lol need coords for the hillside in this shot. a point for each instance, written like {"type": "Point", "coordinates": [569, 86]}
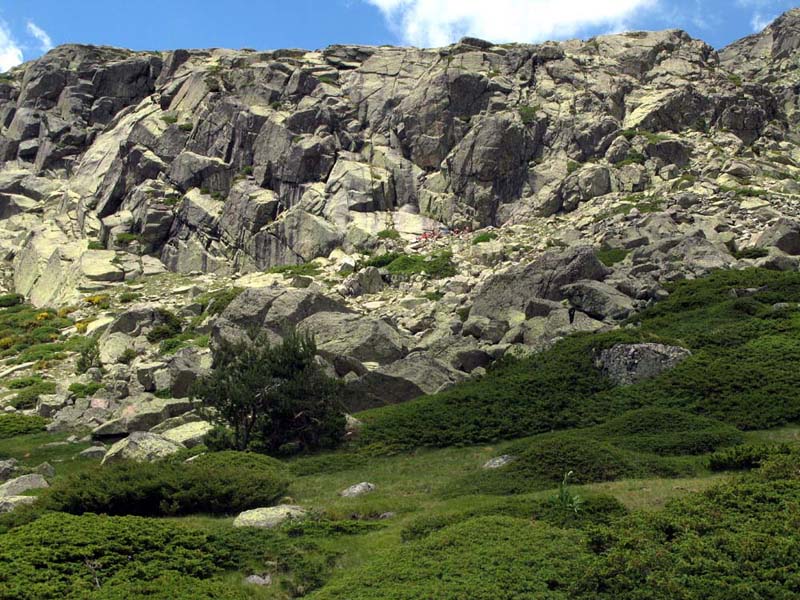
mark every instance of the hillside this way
{"type": "Point", "coordinates": [556, 288]}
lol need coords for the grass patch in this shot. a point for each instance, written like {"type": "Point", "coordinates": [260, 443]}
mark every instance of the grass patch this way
{"type": "Point", "coordinates": [611, 256]}
{"type": "Point", "coordinates": [309, 269]}
{"type": "Point", "coordinates": [436, 266]}
{"type": "Point", "coordinates": [528, 114]}
{"type": "Point", "coordinates": [389, 234]}
{"type": "Point", "coordinates": [483, 238]}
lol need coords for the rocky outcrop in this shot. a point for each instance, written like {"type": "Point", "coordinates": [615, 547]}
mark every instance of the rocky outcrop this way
{"type": "Point", "coordinates": [626, 364]}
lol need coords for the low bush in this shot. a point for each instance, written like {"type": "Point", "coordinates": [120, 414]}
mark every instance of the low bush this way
{"type": "Point", "coordinates": [667, 432]}
{"type": "Point", "coordinates": [27, 397]}
{"type": "Point", "coordinates": [482, 559]}
{"type": "Point", "coordinates": [736, 540]}
{"type": "Point", "coordinates": [217, 483]}
{"type": "Point", "coordinates": [611, 256]}
{"type": "Point", "coordinates": [309, 269]}
{"type": "Point", "coordinates": [596, 509]}
{"type": "Point", "coordinates": [12, 425]}
{"type": "Point", "coordinates": [389, 234]}
{"type": "Point", "coordinates": [66, 557]}
{"type": "Point", "coordinates": [483, 238]}
{"type": "Point", "coordinates": [745, 353]}
{"type": "Point", "coordinates": [168, 325]}
{"type": "Point", "coordinates": [746, 456]}
{"type": "Point", "coordinates": [84, 390]}
{"type": "Point", "coordinates": [214, 303]}
{"type": "Point", "coordinates": [7, 300]}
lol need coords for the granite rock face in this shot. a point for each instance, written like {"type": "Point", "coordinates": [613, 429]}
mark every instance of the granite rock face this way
{"type": "Point", "coordinates": [421, 212]}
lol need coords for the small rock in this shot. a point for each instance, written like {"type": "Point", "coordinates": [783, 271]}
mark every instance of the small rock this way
{"type": "Point", "coordinates": [7, 468]}
{"type": "Point", "coordinates": [46, 469]}
{"type": "Point", "coordinates": [358, 489]}
{"type": "Point", "coordinates": [93, 452]}
{"type": "Point", "coordinates": [498, 462]}
{"type": "Point", "coordinates": [9, 503]}
{"type": "Point", "coordinates": [269, 517]}
{"type": "Point", "coordinates": [259, 580]}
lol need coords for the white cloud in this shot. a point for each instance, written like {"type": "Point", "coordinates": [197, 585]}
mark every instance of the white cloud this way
{"type": "Point", "coordinates": [759, 21]}
{"type": "Point", "coordinates": [440, 22]}
{"type": "Point", "coordinates": [45, 41]}
{"type": "Point", "coordinates": [10, 51]}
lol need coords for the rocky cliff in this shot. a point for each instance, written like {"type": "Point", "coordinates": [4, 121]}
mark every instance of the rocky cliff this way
{"type": "Point", "coordinates": [599, 170]}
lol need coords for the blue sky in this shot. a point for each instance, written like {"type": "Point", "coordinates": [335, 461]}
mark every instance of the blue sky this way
{"type": "Point", "coordinates": [27, 29]}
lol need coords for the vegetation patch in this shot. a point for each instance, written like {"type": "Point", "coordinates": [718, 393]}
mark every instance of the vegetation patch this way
{"type": "Point", "coordinates": [114, 558]}
{"type": "Point", "coordinates": [642, 443]}
{"type": "Point", "coordinates": [611, 256]}
{"type": "Point", "coordinates": [436, 266]}
{"type": "Point", "coordinates": [217, 483]}
{"type": "Point", "coordinates": [744, 356]}
{"type": "Point", "coordinates": [309, 269]}
{"type": "Point", "coordinates": [483, 238]}
{"type": "Point", "coordinates": [483, 558]}
{"type": "Point", "coordinates": [12, 425]}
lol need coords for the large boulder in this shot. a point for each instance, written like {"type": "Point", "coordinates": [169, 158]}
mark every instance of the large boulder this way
{"type": "Point", "coordinates": [274, 308]}
{"type": "Point", "coordinates": [513, 294]}
{"type": "Point", "coordinates": [189, 434]}
{"type": "Point", "coordinates": [598, 300]}
{"type": "Point", "coordinates": [20, 485]}
{"type": "Point", "coordinates": [142, 447]}
{"type": "Point", "coordinates": [626, 364]}
{"type": "Point", "coordinates": [415, 375]}
{"type": "Point", "coordinates": [364, 338]}
{"type": "Point", "coordinates": [784, 235]}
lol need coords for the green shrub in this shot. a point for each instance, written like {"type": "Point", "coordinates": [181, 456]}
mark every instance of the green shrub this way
{"type": "Point", "coordinates": [89, 357]}
{"type": "Point", "coordinates": [611, 256]}
{"type": "Point", "coordinates": [188, 127]}
{"type": "Point", "coordinates": [276, 399]}
{"type": "Point", "coordinates": [483, 238]}
{"type": "Point", "coordinates": [751, 253]}
{"type": "Point", "coordinates": [125, 239]}
{"type": "Point", "coordinates": [572, 166]}
{"type": "Point", "coordinates": [99, 557]}
{"type": "Point", "coordinates": [168, 325]}
{"type": "Point", "coordinates": [382, 260]}
{"type": "Point", "coordinates": [483, 559]}
{"type": "Point", "coordinates": [527, 114]}
{"type": "Point", "coordinates": [214, 303]}
{"type": "Point", "coordinates": [389, 234]}
{"type": "Point", "coordinates": [744, 357]}
{"type": "Point", "coordinates": [169, 119]}
{"type": "Point", "coordinates": [595, 510]}
{"type": "Point", "coordinates": [746, 456]}
{"type": "Point", "coordinates": [633, 158]}
{"type": "Point", "coordinates": [23, 382]}
{"type": "Point", "coordinates": [96, 245]}
{"type": "Point", "coordinates": [84, 390]}
{"type": "Point", "coordinates": [12, 425]}
{"type": "Point", "coordinates": [27, 397]}
{"type": "Point", "coordinates": [222, 483]}
{"type": "Point", "coordinates": [309, 269]}
{"type": "Point", "coordinates": [7, 300]}
{"type": "Point", "coordinates": [667, 432]}
{"type": "Point", "coordinates": [735, 540]}
{"type": "Point", "coordinates": [128, 297]}
{"type": "Point", "coordinates": [128, 356]}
